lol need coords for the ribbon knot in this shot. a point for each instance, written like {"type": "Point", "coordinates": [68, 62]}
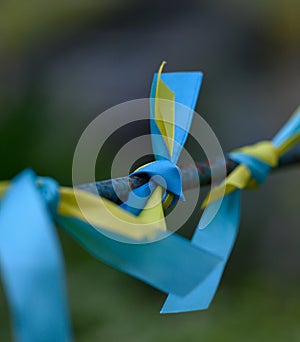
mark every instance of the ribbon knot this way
{"type": "Point", "coordinates": [255, 163]}
{"type": "Point", "coordinates": [259, 159]}
{"type": "Point", "coordinates": [163, 173]}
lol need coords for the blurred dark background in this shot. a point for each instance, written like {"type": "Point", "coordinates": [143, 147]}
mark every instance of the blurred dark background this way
{"type": "Point", "coordinates": [64, 62]}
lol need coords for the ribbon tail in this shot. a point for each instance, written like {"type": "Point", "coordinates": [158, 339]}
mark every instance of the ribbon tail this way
{"type": "Point", "coordinates": [31, 265]}
{"type": "Point", "coordinates": [167, 264]}
{"type": "Point", "coordinates": [217, 237]}
{"type": "Point", "coordinates": [184, 103]}
{"type": "Point", "coordinates": [289, 134]}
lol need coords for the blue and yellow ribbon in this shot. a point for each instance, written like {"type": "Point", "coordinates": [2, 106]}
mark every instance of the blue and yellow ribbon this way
{"type": "Point", "coordinates": [132, 237]}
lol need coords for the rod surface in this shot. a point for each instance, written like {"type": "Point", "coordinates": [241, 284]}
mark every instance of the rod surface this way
{"type": "Point", "coordinates": [117, 190]}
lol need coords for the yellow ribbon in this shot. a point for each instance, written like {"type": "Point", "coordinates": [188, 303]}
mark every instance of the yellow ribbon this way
{"type": "Point", "coordinates": [3, 187]}
{"type": "Point", "coordinates": [164, 113]}
{"type": "Point", "coordinates": [104, 214]}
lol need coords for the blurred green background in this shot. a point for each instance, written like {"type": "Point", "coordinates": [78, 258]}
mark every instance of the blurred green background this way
{"type": "Point", "coordinates": [64, 62]}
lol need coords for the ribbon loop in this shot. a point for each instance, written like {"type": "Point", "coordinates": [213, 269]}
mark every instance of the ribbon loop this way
{"type": "Point", "coordinates": [161, 173]}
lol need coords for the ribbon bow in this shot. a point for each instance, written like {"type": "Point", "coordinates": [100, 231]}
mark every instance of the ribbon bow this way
{"type": "Point", "coordinates": [163, 172]}
{"type": "Point", "coordinates": [31, 263]}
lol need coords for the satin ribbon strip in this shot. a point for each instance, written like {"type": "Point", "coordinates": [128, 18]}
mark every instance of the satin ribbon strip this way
{"type": "Point", "coordinates": [168, 264]}
{"type": "Point", "coordinates": [185, 86]}
{"type": "Point", "coordinates": [219, 236]}
{"type": "Point", "coordinates": [32, 266]}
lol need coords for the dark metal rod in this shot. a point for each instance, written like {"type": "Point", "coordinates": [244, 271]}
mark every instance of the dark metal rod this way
{"type": "Point", "coordinates": [119, 188]}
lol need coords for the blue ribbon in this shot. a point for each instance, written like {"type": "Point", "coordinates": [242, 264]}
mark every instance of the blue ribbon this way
{"type": "Point", "coordinates": [168, 264]}
{"type": "Point", "coordinates": [217, 237]}
{"type": "Point", "coordinates": [32, 266]}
